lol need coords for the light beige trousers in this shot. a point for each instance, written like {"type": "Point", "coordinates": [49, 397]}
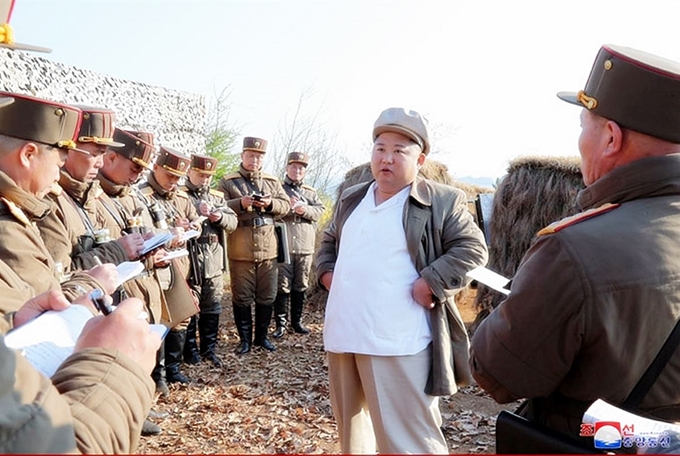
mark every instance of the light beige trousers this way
{"type": "Point", "coordinates": [379, 403]}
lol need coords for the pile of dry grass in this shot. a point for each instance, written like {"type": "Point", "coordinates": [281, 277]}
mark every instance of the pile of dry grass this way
{"type": "Point", "coordinates": [536, 192]}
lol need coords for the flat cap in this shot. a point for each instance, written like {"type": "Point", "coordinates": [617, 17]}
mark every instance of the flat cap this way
{"type": "Point", "coordinates": [254, 144]}
{"type": "Point", "coordinates": [173, 161]}
{"type": "Point", "coordinates": [637, 90]}
{"type": "Point", "coordinates": [136, 145]}
{"type": "Point", "coordinates": [406, 122]}
{"type": "Point", "coordinates": [43, 121]}
{"type": "Point", "coordinates": [203, 164]}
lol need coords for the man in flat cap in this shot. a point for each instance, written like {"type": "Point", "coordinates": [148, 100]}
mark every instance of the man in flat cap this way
{"type": "Point", "coordinates": [210, 249]}
{"type": "Point", "coordinates": [257, 198]}
{"type": "Point", "coordinates": [161, 191]}
{"type": "Point", "coordinates": [305, 210]}
{"type": "Point", "coordinates": [36, 136]}
{"type": "Point", "coordinates": [393, 258]}
{"type": "Point", "coordinates": [72, 231]}
{"type": "Point", "coordinates": [598, 293]}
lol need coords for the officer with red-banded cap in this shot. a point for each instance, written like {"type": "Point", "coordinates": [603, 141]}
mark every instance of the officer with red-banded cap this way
{"type": "Point", "coordinates": [36, 136]}
{"type": "Point", "coordinates": [161, 191]}
{"type": "Point", "coordinates": [257, 198]}
{"type": "Point", "coordinates": [210, 249]}
{"type": "Point", "coordinates": [597, 295]}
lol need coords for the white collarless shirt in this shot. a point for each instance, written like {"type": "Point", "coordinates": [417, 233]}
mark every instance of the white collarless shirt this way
{"type": "Point", "coordinates": [370, 308]}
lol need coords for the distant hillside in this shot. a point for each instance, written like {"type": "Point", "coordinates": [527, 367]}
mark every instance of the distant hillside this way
{"type": "Point", "coordinates": [481, 181]}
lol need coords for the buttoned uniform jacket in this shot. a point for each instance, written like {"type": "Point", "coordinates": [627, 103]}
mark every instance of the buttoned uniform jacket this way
{"type": "Point", "coordinates": [212, 242]}
{"type": "Point", "coordinates": [176, 205]}
{"type": "Point", "coordinates": [444, 244]}
{"type": "Point", "coordinates": [96, 402]}
{"type": "Point", "coordinates": [592, 302]}
{"type": "Point", "coordinates": [75, 214]}
{"type": "Point", "coordinates": [22, 247]}
{"type": "Point", "coordinates": [117, 205]}
{"type": "Point", "coordinates": [247, 242]}
{"type": "Point", "coordinates": [302, 228]}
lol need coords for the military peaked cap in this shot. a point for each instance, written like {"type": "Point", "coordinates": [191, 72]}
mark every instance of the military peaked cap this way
{"type": "Point", "coordinates": [43, 121]}
{"type": "Point", "coordinates": [254, 144]}
{"type": "Point", "coordinates": [137, 146]}
{"type": "Point", "coordinates": [298, 157]}
{"type": "Point", "coordinates": [203, 164]}
{"type": "Point", "coordinates": [173, 161]}
{"type": "Point", "coordinates": [97, 126]}
{"type": "Point", "coordinates": [637, 90]}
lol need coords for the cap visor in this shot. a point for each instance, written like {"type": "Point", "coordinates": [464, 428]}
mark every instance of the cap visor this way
{"type": "Point", "coordinates": [569, 97]}
{"type": "Point", "coordinates": [109, 143]}
{"type": "Point", "coordinates": [6, 101]}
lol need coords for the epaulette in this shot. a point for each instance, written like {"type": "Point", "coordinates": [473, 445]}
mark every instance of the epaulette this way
{"type": "Point", "coordinates": [577, 218]}
{"type": "Point", "coordinates": [308, 187]}
{"type": "Point", "coordinates": [56, 189]}
{"type": "Point", "coordinates": [215, 192]}
{"type": "Point", "coordinates": [145, 190]}
{"type": "Point", "coordinates": [182, 193]}
{"type": "Point", "coordinates": [232, 176]}
{"type": "Point", "coordinates": [16, 211]}
{"type": "Point", "coordinates": [184, 188]}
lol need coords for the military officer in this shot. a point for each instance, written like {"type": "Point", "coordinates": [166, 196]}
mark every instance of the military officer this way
{"type": "Point", "coordinates": [305, 210]}
{"type": "Point", "coordinates": [210, 251]}
{"type": "Point", "coordinates": [73, 231]}
{"type": "Point", "coordinates": [35, 138]}
{"type": "Point", "coordinates": [256, 198]}
{"type": "Point", "coordinates": [161, 192]}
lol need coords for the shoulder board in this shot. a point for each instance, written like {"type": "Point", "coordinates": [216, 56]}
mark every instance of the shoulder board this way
{"type": "Point", "coordinates": [56, 189]}
{"type": "Point", "coordinates": [181, 193]}
{"type": "Point", "coordinates": [308, 187]}
{"type": "Point", "coordinates": [577, 218]}
{"type": "Point", "coordinates": [269, 177]}
{"type": "Point", "coordinates": [231, 176]}
{"type": "Point", "coordinates": [183, 188]}
{"type": "Point", "coordinates": [215, 192]}
{"type": "Point", "coordinates": [145, 189]}
{"type": "Point", "coordinates": [16, 211]}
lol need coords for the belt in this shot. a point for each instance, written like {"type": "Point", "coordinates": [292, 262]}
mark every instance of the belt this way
{"type": "Point", "coordinates": [257, 222]}
{"type": "Point", "coordinates": [208, 239]}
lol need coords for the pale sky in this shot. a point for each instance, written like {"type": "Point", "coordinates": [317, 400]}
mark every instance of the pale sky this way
{"type": "Point", "coordinates": [486, 72]}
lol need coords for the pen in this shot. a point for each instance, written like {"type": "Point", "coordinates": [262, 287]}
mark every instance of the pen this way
{"type": "Point", "coordinates": [97, 260]}
{"type": "Point", "coordinates": [98, 298]}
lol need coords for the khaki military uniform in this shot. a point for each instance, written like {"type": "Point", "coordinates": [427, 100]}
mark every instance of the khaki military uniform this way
{"type": "Point", "coordinates": [69, 229]}
{"type": "Point", "coordinates": [22, 248]}
{"type": "Point", "coordinates": [252, 248]}
{"type": "Point", "coordinates": [122, 208]}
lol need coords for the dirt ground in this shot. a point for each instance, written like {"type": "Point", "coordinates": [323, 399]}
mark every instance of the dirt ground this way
{"type": "Point", "coordinates": [278, 402]}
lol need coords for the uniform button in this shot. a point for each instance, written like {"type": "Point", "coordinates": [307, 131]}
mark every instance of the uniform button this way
{"type": "Point", "coordinates": [254, 245]}
{"type": "Point", "coordinates": [294, 237]}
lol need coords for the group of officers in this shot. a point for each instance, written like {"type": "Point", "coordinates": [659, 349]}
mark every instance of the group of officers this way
{"type": "Point", "coordinates": [108, 191]}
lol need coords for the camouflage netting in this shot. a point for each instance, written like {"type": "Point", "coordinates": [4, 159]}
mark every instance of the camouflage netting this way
{"type": "Point", "coordinates": [431, 169]}
{"type": "Point", "coordinates": [536, 192]}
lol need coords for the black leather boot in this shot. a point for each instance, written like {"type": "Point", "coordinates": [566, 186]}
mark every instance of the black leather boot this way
{"type": "Point", "coordinates": [174, 345]}
{"type": "Point", "coordinates": [244, 325]}
{"type": "Point", "coordinates": [263, 316]}
{"type": "Point", "coordinates": [297, 301]}
{"type": "Point", "coordinates": [158, 373]}
{"type": "Point", "coordinates": [208, 326]}
{"type": "Point", "coordinates": [190, 348]}
{"type": "Point", "coordinates": [280, 314]}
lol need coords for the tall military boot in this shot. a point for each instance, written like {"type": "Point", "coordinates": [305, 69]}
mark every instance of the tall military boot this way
{"type": "Point", "coordinates": [280, 314]}
{"type": "Point", "coordinates": [263, 316]}
{"type": "Point", "coordinates": [297, 301]}
{"type": "Point", "coordinates": [174, 345]}
{"type": "Point", "coordinates": [208, 325]}
{"type": "Point", "coordinates": [191, 355]}
{"type": "Point", "coordinates": [244, 325]}
{"type": "Point", "coordinates": [158, 372]}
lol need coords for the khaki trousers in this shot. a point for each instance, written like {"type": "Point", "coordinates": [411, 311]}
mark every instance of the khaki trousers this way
{"type": "Point", "coordinates": [380, 401]}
